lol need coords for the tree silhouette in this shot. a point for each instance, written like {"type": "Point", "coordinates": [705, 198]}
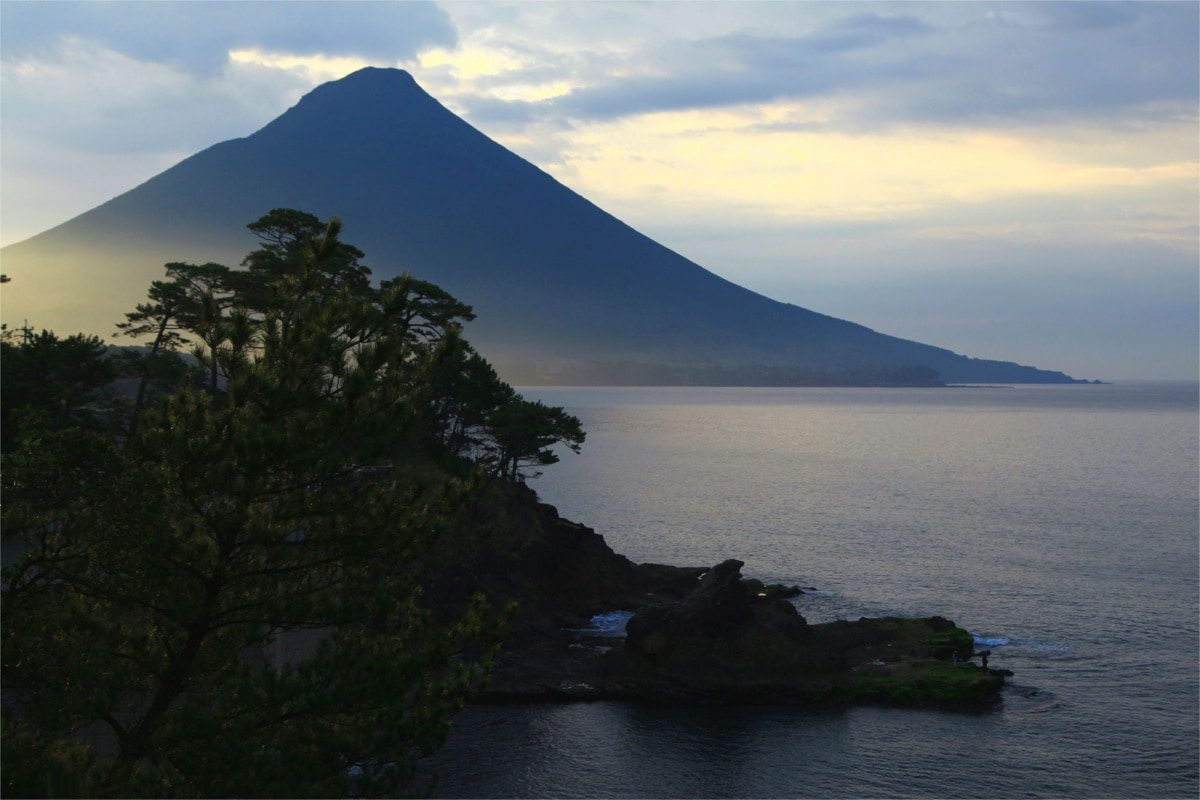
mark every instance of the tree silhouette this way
{"type": "Point", "coordinates": [229, 602]}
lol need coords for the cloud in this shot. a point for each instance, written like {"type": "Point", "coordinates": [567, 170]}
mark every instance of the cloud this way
{"type": "Point", "coordinates": [936, 64]}
{"type": "Point", "coordinates": [862, 31]}
{"type": "Point", "coordinates": [1051, 63]}
{"type": "Point", "coordinates": [727, 70]}
{"type": "Point", "coordinates": [197, 36]}
{"type": "Point", "coordinates": [1075, 16]}
{"type": "Point", "coordinates": [116, 104]}
{"type": "Point", "coordinates": [183, 75]}
{"type": "Point", "coordinates": [118, 91]}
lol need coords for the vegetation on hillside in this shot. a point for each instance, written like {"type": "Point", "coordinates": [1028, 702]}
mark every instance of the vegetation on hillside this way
{"type": "Point", "coordinates": [220, 589]}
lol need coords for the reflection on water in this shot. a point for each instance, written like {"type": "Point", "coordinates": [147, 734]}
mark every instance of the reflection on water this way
{"type": "Point", "coordinates": [625, 750]}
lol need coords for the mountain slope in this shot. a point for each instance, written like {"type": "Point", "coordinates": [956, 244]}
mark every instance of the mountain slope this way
{"type": "Point", "coordinates": [562, 289]}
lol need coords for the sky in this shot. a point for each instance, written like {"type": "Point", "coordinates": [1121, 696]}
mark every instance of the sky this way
{"type": "Point", "coordinates": [1018, 181]}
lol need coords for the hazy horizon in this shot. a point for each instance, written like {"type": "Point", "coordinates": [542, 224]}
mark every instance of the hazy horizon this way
{"type": "Point", "coordinates": [1006, 180]}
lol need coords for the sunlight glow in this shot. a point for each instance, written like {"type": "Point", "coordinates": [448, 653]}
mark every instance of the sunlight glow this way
{"type": "Point", "coordinates": [764, 159]}
{"type": "Point", "coordinates": [470, 62]}
{"type": "Point", "coordinates": [315, 68]}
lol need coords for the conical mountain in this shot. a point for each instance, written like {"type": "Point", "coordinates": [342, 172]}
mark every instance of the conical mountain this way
{"type": "Point", "coordinates": [562, 290]}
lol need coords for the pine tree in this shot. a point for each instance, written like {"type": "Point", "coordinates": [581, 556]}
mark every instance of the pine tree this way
{"type": "Point", "coordinates": [229, 604]}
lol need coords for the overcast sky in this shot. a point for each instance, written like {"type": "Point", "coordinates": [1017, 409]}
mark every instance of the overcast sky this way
{"type": "Point", "coordinates": [1008, 180]}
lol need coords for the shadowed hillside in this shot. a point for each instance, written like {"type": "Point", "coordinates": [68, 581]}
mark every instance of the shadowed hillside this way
{"type": "Point", "coordinates": [564, 292]}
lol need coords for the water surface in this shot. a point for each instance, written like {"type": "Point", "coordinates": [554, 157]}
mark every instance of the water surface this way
{"type": "Point", "coordinates": [1058, 524]}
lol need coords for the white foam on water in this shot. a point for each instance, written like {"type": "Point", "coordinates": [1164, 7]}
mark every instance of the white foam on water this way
{"type": "Point", "coordinates": [991, 641]}
{"type": "Point", "coordinates": [612, 622]}
{"type": "Point", "coordinates": [1003, 641]}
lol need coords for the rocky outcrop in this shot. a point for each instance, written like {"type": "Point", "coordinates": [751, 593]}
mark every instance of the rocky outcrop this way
{"type": "Point", "coordinates": [723, 607]}
{"type": "Point", "coordinates": [558, 573]}
{"type": "Point", "coordinates": [709, 636]}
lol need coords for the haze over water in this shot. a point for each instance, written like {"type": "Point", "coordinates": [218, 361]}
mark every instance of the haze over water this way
{"type": "Point", "coordinates": [1057, 524]}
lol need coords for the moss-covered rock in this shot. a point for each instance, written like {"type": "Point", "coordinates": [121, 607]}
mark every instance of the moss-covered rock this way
{"type": "Point", "coordinates": [920, 683]}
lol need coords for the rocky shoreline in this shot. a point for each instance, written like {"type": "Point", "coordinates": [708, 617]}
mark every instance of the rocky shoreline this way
{"type": "Point", "coordinates": [700, 635]}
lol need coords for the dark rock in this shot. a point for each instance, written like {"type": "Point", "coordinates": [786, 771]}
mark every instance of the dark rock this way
{"type": "Point", "coordinates": [697, 635]}
{"type": "Point", "coordinates": [777, 591]}
{"type": "Point", "coordinates": [717, 608]}
{"type": "Point", "coordinates": [558, 574]}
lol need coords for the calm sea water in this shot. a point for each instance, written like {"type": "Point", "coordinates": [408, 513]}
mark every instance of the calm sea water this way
{"type": "Point", "coordinates": [1058, 524]}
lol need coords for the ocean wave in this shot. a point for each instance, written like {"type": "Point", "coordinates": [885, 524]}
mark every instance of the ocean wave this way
{"type": "Point", "coordinates": [612, 622]}
{"type": "Point", "coordinates": [1005, 641]}
{"type": "Point", "coordinates": [991, 641]}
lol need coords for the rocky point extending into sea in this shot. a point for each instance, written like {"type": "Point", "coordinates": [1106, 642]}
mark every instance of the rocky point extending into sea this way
{"type": "Point", "coordinates": [592, 625]}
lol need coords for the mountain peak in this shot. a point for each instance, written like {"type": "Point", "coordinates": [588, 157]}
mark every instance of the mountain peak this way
{"type": "Point", "coordinates": [371, 85]}
{"type": "Point", "coordinates": [375, 79]}
{"type": "Point", "coordinates": [376, 97]}
{"type": "Point", "coordinates": [562, 290]}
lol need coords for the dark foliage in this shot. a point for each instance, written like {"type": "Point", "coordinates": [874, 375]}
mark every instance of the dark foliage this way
{"type": "Point", "coordinates": [226, 599]}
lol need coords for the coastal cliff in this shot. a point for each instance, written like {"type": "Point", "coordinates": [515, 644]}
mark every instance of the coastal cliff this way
{"type": "Point", "coordinates": [589, 624]}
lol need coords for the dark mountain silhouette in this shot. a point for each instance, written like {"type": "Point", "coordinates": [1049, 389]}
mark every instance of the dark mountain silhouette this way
{"type": "Point", "coordinates": [564, 292]}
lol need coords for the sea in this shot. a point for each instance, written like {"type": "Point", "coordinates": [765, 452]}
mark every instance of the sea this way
{"type": "Point", "coordinates": [1060, 525]}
